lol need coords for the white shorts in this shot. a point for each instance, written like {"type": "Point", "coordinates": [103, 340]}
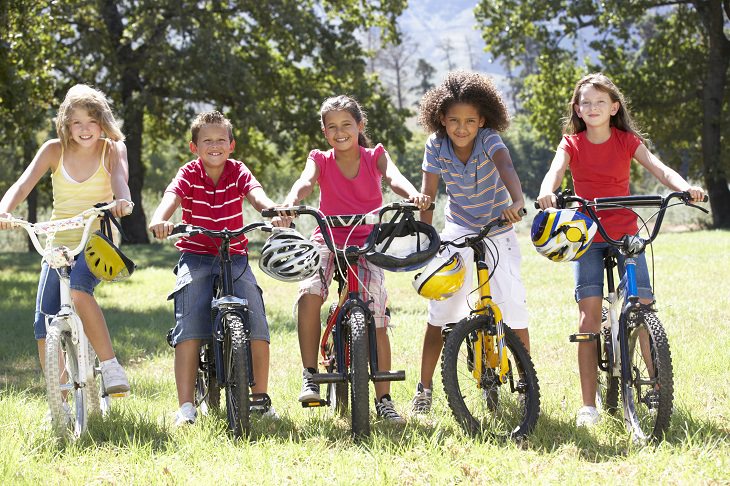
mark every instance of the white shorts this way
{"type": "Point", "coordinates": [508, 292]}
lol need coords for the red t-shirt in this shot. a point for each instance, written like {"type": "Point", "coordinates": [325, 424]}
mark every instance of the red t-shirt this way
{"type": "Point", "coordinates": [339, 195]}
{"type": "Point", "coordinates": [212, 206]}
{"type": "Point", "coordinates": [603, 170]}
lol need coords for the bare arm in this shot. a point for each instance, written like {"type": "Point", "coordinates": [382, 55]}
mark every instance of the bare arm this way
{"type": "Point", "coordinates": [552, 179]}
{"type": "Point", "coordinates": [429, 186]}
{"type": "Point", "coordinates": [303, 186]}
{"type": "Point", "coordinates": [507, 173]}
{"type": "Point", "coordinates": [259, 200]}
{"type": "Point", "coordinates": [160, 224]}
{"type": "Point", "coordinates": [399, 183]}
{"type": "Point", "coordinates": [18, 192]}
{"type": "Point", "coordinates": [666, 175]}
{"type": "Point", "coordinates": [119, 179]}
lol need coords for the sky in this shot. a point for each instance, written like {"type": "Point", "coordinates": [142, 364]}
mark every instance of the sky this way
{"type": "Point", "coordinates": [431, 23]}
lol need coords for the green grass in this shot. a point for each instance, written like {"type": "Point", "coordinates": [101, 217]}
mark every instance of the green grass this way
{"type": "Point", "coordinates": [137, 443]}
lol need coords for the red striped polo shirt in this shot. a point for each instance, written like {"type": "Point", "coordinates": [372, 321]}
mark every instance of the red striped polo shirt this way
{"type": "Point", "coordinates": [213, 206]}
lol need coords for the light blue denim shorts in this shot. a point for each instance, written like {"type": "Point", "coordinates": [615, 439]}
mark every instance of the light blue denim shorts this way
{"type": "Point", "coordinates": [48, 298]}
{"type": "Point", "coordinates": [589, 272]}
{"type": "Point", "coordinates": [193, 294]}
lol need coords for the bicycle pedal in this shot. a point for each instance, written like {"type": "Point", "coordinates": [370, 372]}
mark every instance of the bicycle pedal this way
{"type": "Point", "coordinates": [259, 400]}
{"type": "Point", "coordinates": [118, 395]}
{"type": "Point", "coordinates": [389, 376]}
{"type": "Point", "coordinates": [314, 403]}
{"type": "Point", "coordinates": [584, 337]}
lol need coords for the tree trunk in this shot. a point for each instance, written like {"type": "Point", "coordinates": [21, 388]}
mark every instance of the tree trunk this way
{"type": "Point", "coordinates": [712, 97]}
{"type": "Point", "coordinates": [135, 225]}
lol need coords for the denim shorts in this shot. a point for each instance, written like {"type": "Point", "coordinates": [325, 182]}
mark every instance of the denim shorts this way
{"type": "Point", "coordinates": [48, 298]}
{"type": "Point", "coordinates": [193, 294]}
{"type": "Point", "coordinates": [589, 272]}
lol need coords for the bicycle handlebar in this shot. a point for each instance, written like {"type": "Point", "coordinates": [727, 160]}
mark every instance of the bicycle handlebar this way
{"type": "Point", "coordinates": [476, 237]}
{"type": "Point", "coordinates": [183, 230]}
{"type": "Point", "coordinates": [81, 220]}
{"type": "Point", "coordinates": [618, 202]}
{"type": "Point", "coordinates": [326, 222]}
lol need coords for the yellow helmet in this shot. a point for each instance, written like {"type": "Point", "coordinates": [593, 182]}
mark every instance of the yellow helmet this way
{"type": "Point", "coordinates": [442, 277]}
{"type": "Point", "coordinates": [105, 260]}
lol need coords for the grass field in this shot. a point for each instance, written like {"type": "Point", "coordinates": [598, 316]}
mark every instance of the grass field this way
{"type": "Point", "coordinates": [137, 443]}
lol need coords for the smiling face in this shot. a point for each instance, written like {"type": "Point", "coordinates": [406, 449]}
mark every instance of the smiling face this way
{"type": "Point", "coordinates": [462, 123]}
{"type": "Point", "coordinates": [213, 146]}
{"type": "Point", "coordinates": [341, 130]}
{"type": "Point", "coordinates": [85, 130]}
{"type": "Point", "coordinates": [595, 107]}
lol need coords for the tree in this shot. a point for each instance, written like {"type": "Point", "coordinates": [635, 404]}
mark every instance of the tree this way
{"type": "Point", "coordinates": [396, 61]}
{"type": "Point", "coordinates": [266, 65]}
{"type": "Point", "coordinates": [653, 49]}
{"type": "Point", "coordinates": [425, 72]}
{"type": "Point", "coordinates": [26, 86]}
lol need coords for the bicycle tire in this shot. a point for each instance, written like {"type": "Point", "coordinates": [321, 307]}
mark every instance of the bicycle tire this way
{"type": "Point", "coordinates": [359, 377]}
{"type": "Point", "coordinates": [648, 396]}
{"type": "Point", "coordinates": [99, 401]}
{"type": "Point", "coordinates": [337, 393]}
{"type": "Point", "coordinates": [60, 348]}
{"type": "Point", "coordinates": [207, 389]}
{"type": "Point", "coordinates": [235, 351]}
{"type": "Point", "coordinates": [489, 407]}
{"type": "Point", "coordinates": [608, 385]}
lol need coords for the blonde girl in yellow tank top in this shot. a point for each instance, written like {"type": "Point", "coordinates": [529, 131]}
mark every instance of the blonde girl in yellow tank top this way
{"type": "Point", "coordinates": [88, 165]}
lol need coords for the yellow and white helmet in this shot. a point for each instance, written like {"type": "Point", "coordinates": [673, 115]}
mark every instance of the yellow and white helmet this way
{"type": "Point", "coordinates": [442, 277]}
{"type": "Point", "coordinates": [562, 235]}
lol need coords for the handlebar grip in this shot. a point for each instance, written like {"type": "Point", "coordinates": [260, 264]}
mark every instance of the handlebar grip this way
{"type": "Point", "coordinates": [522, 211]}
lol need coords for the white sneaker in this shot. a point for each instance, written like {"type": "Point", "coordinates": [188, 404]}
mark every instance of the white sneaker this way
{"type": "Point", "coordinates": [422, 400]}
{"type": "Point", "coordinates": [310, 389]}
{"type": "Point", "coordinates": [115, 379]}
{"type": "Point", "coordinates": [385, 408]}
{"type": "Point", "coordinates": [186, 414]}
{"type": "Point", "coordinates": [587, 417]}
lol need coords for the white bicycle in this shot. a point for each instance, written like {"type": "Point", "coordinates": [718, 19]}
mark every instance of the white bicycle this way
{"type": "Point", "coordinates": [74, 384]}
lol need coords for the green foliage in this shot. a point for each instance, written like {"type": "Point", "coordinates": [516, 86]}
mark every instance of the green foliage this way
{"type": "Point", "coordinates": [657, 52]}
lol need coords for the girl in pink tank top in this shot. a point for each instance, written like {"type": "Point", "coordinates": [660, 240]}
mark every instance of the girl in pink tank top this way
{"type": "Point", "coordinates": [349, 177]}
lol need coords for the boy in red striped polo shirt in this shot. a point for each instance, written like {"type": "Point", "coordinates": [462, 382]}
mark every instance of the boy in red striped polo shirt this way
{"type": "Point", "coordinates": [211, 190]}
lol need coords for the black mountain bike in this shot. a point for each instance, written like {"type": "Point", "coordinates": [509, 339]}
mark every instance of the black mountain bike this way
{"type": "Point", "coordinates": [226, 362]}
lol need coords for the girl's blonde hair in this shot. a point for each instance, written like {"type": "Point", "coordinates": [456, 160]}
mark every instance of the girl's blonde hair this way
{"type": "Point", "coordinates": [350, 105]}
{"type": "Point", "coordinates": [97, 106]}
{"type": "Point", "coordinates": [622, 120]}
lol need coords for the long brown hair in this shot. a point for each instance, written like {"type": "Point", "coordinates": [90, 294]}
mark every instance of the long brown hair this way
{"type": "Point", "coordinates": [622, 120]}
{"type": "Point", "coordinates": [350, 105]}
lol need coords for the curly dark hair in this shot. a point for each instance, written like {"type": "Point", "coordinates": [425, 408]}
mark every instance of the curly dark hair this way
{"type": "Point", "coordinates": [463, 87]}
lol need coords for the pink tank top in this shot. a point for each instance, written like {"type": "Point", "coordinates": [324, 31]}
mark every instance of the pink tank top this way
{"type": "Point", "coordinates": [339, 195]}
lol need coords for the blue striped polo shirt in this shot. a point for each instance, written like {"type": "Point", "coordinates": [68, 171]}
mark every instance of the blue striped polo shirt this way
{"type": "Point", "coordinates": [476, 193]}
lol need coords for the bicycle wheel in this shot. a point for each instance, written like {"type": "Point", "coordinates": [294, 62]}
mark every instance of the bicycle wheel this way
{"type": "Point", "coordinates": [479, 400]}
{"type": "Point", "coordinates": [649, 394]}
{"type": "Point", "coordinates": [67, 400]}
{"type": "Point", "coordinates": [608, 383]}
{"type": "Point", "coordinates": [235, 352]}
{"type": "Point", "coordinates": [99, 401]}
{"type": "Point", "coordinates": [337, 392]}
{"type": "Point", "coordinates": [207, 390]}
{"type": "Point", "coordinates": [360, 387]}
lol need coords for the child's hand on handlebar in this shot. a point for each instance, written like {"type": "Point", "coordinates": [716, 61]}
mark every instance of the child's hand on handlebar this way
{"type": "Point", "coordinates": [548, 200]}
{"type": "Point", "coordinates": [5, 225]}
{"type": "Point", "coordinates": [161, 229]}
{"type": "Point", "coordinates": [122, 208]}
{"type": "Point", "coordinates": [284, 218]}
{"type": "Point", "coordinates": [697, 193]}
{"type": "Point", "coordinates": [423, 201]}
{"type": "Point", "coordinates": [514, 212]}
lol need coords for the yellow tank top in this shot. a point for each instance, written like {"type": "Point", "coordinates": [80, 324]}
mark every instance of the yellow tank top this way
{"type": "Point", "coordinates": [71, 197]}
